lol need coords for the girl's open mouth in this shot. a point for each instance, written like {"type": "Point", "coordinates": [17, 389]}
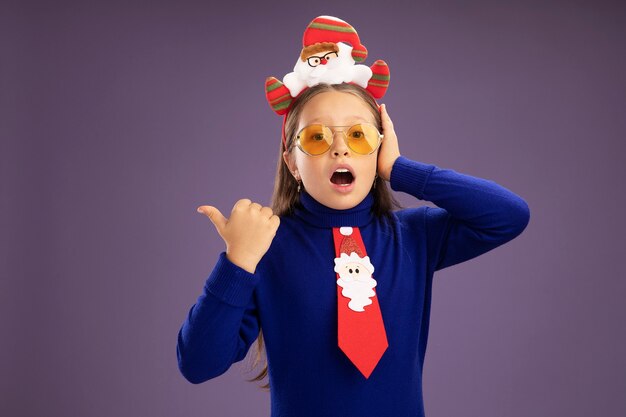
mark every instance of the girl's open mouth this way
{"type": "Point", "coordinates": [342, 177]}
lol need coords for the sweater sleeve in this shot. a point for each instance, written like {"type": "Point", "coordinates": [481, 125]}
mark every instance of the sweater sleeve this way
{"type": "Point", "coordinates": [221, 325]}
{"type": "Point", "coordinates": [473, 215]}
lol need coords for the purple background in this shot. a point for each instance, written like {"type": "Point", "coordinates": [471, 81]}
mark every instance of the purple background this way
{"type": "Point", "coordinates": [118, 121]}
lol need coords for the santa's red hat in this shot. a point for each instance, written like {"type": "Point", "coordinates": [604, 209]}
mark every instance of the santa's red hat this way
{"type": "Point", "coordinates": [333, 29]}
{"type": "Point", "coordinates": [348, 244]}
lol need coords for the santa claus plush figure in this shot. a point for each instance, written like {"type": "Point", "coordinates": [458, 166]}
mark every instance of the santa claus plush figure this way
{"type": "Point", "coordinates": [330, 51]}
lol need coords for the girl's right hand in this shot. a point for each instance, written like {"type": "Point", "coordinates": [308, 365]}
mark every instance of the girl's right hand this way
{"type": "Point", "coordinates": [248, 233]}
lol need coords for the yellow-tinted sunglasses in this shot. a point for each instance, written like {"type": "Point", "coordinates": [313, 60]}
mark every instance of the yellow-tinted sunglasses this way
{"type": "Point", "coordinates": [362, 138]}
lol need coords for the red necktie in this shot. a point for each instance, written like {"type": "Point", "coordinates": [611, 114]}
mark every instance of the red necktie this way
{"type": "Point", "coordinates": [361, 332]}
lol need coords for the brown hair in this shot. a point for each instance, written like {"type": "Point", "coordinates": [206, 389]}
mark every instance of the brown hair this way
{"type": "Point", "coordinates": [318, 47]}
{"type": "Point", "coordinates": [285, 197]}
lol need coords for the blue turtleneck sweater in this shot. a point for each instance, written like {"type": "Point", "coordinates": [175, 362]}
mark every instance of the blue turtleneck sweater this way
{"type": "Point", "coordinates": [292, 294]}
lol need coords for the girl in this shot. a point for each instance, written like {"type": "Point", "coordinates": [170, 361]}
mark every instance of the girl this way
{"type": "Point", "coordinates": [340, 284]}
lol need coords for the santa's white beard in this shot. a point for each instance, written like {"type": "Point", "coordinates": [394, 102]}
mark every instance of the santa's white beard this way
{"type": "Point", "coordinates": [335, 72]}
{"type": "Point", "coordinates": [338, 70]}
{"type": "Point", "coordinates": [359, 292]}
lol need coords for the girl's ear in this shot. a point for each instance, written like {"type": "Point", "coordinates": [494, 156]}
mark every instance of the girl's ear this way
{"type": "Point", "coordinates": [290, 162]}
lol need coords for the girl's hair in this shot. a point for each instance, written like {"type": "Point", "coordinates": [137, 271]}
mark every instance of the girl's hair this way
{"type": "Point", "coordinates": [285, 197]}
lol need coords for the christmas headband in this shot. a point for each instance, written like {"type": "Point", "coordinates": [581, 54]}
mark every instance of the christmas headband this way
{"type": "Point", "coordinates": [331, 49]}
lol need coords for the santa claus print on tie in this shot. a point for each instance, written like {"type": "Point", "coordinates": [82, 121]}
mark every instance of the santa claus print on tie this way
{"type": "Point", "coordinates": [355, 277]}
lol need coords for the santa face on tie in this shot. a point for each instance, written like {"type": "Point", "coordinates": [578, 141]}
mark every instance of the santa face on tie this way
{"type": "Point", "coordinates": [355, 277]}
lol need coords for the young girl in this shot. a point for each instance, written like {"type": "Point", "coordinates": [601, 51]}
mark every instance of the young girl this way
{"type": "Point", "coordinates": [339, 284]}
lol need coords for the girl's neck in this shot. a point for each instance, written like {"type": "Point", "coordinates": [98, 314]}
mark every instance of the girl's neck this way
{"type": "Point", "coordinates": [317, 214]}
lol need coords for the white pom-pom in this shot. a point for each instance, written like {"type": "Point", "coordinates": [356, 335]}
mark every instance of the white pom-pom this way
{"type": "Point", "coordinates": [346, 231]}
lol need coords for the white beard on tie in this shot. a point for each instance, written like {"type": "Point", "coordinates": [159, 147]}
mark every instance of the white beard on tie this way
{"type": "Point", "coordinates": [359, 292]}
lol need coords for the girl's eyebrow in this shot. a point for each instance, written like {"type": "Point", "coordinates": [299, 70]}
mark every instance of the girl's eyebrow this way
{"type": "Point", "coordinates": [351, 118]}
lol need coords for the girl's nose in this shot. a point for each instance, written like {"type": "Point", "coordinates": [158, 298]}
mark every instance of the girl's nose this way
{"type": "Point", "coordinates": [339, 146]}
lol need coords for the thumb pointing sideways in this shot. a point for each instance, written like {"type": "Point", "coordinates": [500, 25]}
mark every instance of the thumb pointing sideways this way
{"type": "Point", "coordinates": [215, 216]}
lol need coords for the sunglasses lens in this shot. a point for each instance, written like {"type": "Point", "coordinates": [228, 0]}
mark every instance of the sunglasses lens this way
{"type": "Point", "coordinates": [315, 139]}
{"type": "Point", "coordinates": [363, 138]}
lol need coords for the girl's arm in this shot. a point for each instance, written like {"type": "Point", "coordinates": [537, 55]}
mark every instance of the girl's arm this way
{"type": "Point", "coordinates": [473, 216]}
{"type": "Point", "coordinates": [221, 326]}
{"type": "Point", "coordinates": [224, 322]}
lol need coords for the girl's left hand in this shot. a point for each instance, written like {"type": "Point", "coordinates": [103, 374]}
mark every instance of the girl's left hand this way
{"type": "Point", "coordinates": [389, 150]}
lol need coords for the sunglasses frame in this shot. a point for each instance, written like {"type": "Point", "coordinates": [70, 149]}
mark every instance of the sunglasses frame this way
{"type": "Point", "coordinates": [345, 138]}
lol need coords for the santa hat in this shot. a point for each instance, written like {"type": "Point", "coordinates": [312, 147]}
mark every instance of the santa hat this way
{"type": "Point", "coordinates": [351, 252]}
{"type": "Point", "coordinates": [327, 29]}
{"type": "Point", "coordinates": [332, 29]}
{"type": "Point", "coordinates": [348, 244]}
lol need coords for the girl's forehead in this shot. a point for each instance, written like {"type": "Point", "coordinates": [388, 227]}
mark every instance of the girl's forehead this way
{"type": "Point", "coordinates": [336, 108]}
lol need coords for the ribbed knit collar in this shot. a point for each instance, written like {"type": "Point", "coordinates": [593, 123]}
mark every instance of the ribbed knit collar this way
{"type": "Point", "coordinates": [317, 214]}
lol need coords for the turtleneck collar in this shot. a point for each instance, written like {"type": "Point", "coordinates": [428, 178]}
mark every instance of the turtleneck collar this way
{"type": "Point", "coordinates": [317, 214]}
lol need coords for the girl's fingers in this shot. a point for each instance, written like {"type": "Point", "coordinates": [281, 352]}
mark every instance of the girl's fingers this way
{"type": "Point", "coordinates": [216, 217]}
{"type": "Point", "coordinates": [385, 116]}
